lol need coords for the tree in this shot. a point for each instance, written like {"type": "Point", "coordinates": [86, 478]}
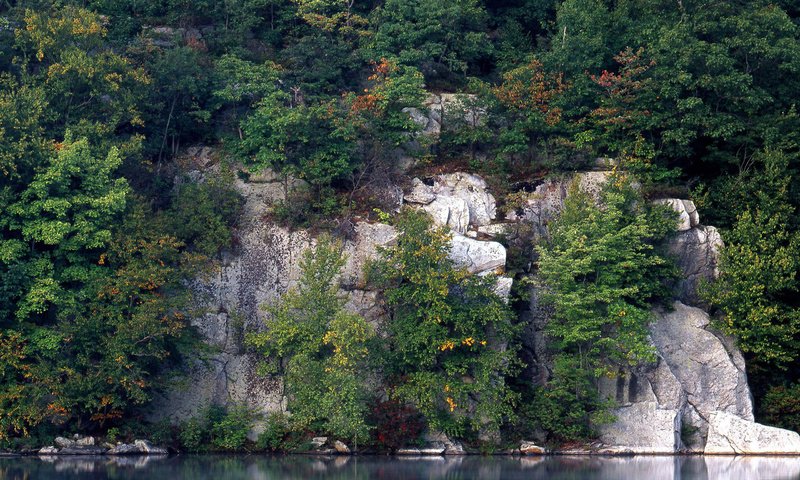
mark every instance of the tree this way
{"type": "Point", "coordinates": [447, 352]}
{"type": "Point", "coordinates": [440, 39]}
{"type": "Point", "coordinates": [90, 89]}
{"type": "Point", "coordinates": [309, 335]}
{"type": "Point", "coordinates": [600, 272]}
{"type": "Point", "coordinates": [528, 96]}
{"type": "Point", "coordinates": [759, 268]}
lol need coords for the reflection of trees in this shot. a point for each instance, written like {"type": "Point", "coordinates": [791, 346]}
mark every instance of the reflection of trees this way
{"type": "Point", "coordinates": [240, 467]}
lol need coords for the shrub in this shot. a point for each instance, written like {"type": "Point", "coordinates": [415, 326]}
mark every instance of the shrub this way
{"type": "Point", "coordinates": [229, 433]}
{"type": "Point", "coordinates": [781, 406]}
{"type": "Point", "coordinates": [273, 438]}
{"type": "Point", "coordinates": [192, 435]}
{"type": "Point", "coordinates": [395, 424]}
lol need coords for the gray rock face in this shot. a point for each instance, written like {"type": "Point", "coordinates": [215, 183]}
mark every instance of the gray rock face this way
{"type": "Point", "coordinates": [449, 211]}
{"type": "Point", "coordinates": [643, 427]}
{"type": "Point", "coordinates": [731, 434]}
{"type": "Point", "coordinates": [698, 372]}
{"type": "Point", "coordinates": [696, 252]}
{"type": "Point", "coordinates": [477, 256]}
{"type": "Point", "coordinates": [547, 200]}
{"type": "Point", "coordinates": [687, 212]}
{"type": "Point", "coordinates": [266, 264]}
{"type": "Point", "coordinates": [711, 374]}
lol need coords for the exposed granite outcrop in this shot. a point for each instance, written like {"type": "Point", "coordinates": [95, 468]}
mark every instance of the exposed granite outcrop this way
{"type": "Point", "coordinates": [265, 265]}
{"type": "Point", "coordinates": [732, 435]}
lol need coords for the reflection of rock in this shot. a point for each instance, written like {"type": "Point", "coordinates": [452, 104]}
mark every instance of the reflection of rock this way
{"type": "Point", "coordinates": [752, 467]}
{"type": "Point", "coordinates": [730, 434]}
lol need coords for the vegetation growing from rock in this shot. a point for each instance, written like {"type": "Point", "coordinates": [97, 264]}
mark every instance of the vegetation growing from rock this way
{"type": "Point", "coordinates": [601, 273]}
{"type": "Point", "coordinates": [448, 348]}
{"type": "Point", "coordinates": [101, 228]}
{"type": "Point", "coordinates": [309, 336]}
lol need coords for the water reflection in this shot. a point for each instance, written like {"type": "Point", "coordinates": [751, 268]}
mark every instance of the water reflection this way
{"type": "Point", "coordinates": [452, 468]}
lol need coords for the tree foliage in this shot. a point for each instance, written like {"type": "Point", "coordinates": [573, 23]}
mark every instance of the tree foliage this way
{"type": "Point", "coordinates": [447, 351]}
{"type": "Point", "coordinates": [310, 336]}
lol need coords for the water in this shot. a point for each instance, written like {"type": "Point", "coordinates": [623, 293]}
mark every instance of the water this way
{"type": "Point", "coordinates": [259, 467]}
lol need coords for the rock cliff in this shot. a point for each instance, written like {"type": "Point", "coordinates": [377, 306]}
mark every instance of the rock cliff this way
{"type": "Point", "coordinates": [693, 398]}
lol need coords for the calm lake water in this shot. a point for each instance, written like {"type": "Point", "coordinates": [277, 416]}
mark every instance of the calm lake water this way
{"type": "Point", "coordinates": [256, 467]}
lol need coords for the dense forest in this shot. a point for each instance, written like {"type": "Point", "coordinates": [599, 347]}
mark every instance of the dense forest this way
{"type": "Point", "coordinates": [100, 231]}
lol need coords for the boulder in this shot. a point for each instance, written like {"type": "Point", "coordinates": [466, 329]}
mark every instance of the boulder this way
{"type": "Point", "coordinates": [427, 121]}
{"type": "Point", "coordinates": [62, 442]}
{"type": "Point", "coordinates": [124, 449]}
{"type": "Point", "coordinates": [85, 441]}
{"type": "Point", "coordinates": [503, 287]}
{"type": "Point", "coordinates": [419, 193]}
{"type": "Point", "coordinates": [448, 211]}
{"type": "Point", "coordinates": [696, 252]}
{"type": "Point", "coordinates": [530, 448]}
{"type": "Point", "coordinates": [494, 230]}
{"type": "Point", "coordinates": [709, 369]}
{"type": "Point", "coordinates": [477, 256]}
{"type": "Point", "coordinates": [481, 204]}
{"type": "Point", "coordinates": [440, 440]}
{"type": "Point", "coordinates": [51, 450]}
{"type": "Point", "coordinates": [82, 450]}
{"type": "Point", "coordinates": [318, 442]}
{"type": "Point", "coordinates": [341, 447]}
{"type": "Point", "coordinates": [698, 371]}
{"type": "Point", "coordinates": [731, 434]}
{"type": "Point", "coordinates": [687, 212]}
{"type": "Point", "coordinates": [644, 428]}
{"type": "Point", "coordinates": [145, 446]}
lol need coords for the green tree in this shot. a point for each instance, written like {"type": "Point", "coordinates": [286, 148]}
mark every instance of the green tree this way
{"type": "Point", "coordinates": [759, 268]}
{"type": "Point", "coordinates": [440, 39]}
{"type": "Point", "coordinates": [601, 271]}
{"type": "Point", "coordinates": [447, 352]}
{"type": "Point", "coordinates": [310, 335]}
